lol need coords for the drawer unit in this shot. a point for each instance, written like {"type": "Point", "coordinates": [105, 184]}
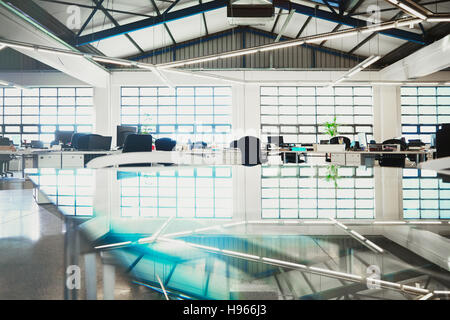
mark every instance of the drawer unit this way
{"type": "Point", "coordinates": [338, 158]}
{"type": "Point", "coordinates": [353, 159]}
{"type": "Point", "coordinates": [72, 161]}
{"type": "Point", "coordinates": [49, 161]}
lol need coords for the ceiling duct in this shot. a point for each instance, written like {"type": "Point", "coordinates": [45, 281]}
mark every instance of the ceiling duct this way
{"type": "Point", "coordinates": [250, 12]}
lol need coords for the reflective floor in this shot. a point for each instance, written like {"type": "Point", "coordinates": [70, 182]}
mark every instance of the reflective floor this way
{"type": "Point", "coordinates": [110, 234]}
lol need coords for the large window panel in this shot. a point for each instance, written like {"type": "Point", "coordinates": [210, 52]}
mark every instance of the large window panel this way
{"type": "Point", "coordinates": [425, 196]}
{"type": "Point", "coordinates": [184, 113]}
{"type": "Point", "coordinates": [423, 109]}
{"type": "Point", "coordinates": [298, 113]}
{"type": "Point", "coordinates": [187, 193]}
{"type": "Point", "coordinates": [41, 111]}
{"type": "Point", "coordinates": [302, 192]}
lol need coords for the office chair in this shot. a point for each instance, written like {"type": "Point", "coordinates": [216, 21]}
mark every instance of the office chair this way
{"type": "Point", "coordinates": [75, 138]}
{"type": "Point", "coordinates": [393, 160]}
{"type": "Point", "coordinates": [442, 141]}
{"type": "Point", "coordinates": [165, 144]}
{"type": "Point", "coordinates": [291, 157]}
{"type": "Point", "coordinates": [5, 159]}
{"type": "Point", "coordinates": [335, 140]}
{"type": "Point", "coordinates": [94, 142]}
{"type": "Point", "coordinates": [137, 143]}
{"type": "Point", "coordinates": [250, 150]}
{"type": "Point", "coordinates": [234, 144]}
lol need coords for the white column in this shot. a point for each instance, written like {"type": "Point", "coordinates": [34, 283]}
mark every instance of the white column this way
{"type": "Point", "coordinates": [109, 281]}
{"type": "Point", "coordinates": [91, 276]}
{"type": "Point", "coordinates": [387, 122]}
{"type": "Point", "coordinates": [102, 110]}
{"type": "Point", "coordinates": [387, 125]}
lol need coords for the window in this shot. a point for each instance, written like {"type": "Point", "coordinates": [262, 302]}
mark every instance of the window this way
{"type": "Point", "coordinates": [185, 193]}
{"type": "Point", "coordinates": [298, 113]}
{"type": "Point", "coordinates": [303, 192]}
{"type": "Point", "coordinates": [70, 190]}
{"type": "Point", "coordinates": [35, 114]}
{"type": "Point", "coordinates": [423, 109]}
{"type": "Point", "coordinates": [184, 113]}
{"type": "Point", "coordinates": [425, 196]}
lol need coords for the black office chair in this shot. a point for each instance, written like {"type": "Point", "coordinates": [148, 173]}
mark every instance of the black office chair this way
{"type": "Point", "coordinates": [137, 143]}
{"type": "Point", "coordinates": [5, 158]}
{"type": "Point", "coordinates": [291, 157]}
{"type": "Point", "coordinates": [75, 138]}
{"type": "Point", "coordinates": [393, 160]}
{"type": "Point", "coordinates": [250, 150]}
{"type": "Point", "coordinates": [335, 140]}
{"type": "Point", "coordinates": [165, 144]}
{"type": "Point", "coordinates": [94, 142]}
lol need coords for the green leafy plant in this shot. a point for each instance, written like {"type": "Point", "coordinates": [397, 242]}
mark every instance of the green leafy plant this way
{"type": "Point", "coordinates": [332, 174]}
{"type": "Point", "coordinates": [331, 128]}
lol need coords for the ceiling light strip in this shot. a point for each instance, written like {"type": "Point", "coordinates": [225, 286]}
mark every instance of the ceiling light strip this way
{"type": "Point", "coordinates": [372, 246]}
{"type": "Point", "coordinates": [359, 67]}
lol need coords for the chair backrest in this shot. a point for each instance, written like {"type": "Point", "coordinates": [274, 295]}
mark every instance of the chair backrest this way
{"type": "Point", "coordinates": [5, 141]}
{"type": "Point", "coordinates": [250, 150]}
{"type": "Point", "coordinates": [234, 144]}
{"type": "Point", "coordinates": [75, 138]}
{"type": "Point", "coordinates": [335, 140]}
{"type": "Point", "coordinates": [36, 144]}
{"type": "Point", "coordinates": [138, 143]}
{"type": "Point", "coordinates": [92, 142]}
{"type": "Point", "coordinates": [165, 144]}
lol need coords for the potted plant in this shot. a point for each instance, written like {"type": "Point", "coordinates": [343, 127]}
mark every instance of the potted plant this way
{"type": "Point", "coordinates": [331, 128]}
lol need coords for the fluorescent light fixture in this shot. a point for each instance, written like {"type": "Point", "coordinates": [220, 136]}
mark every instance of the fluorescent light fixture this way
{"type": "Point", "coordinates": [357, 235]}
{"type": "Point", "coordinates": [286, 263]}
{"type": "Point", "coordinates": [244, 255]}
{"type": "Point", "coordinates": [282, 45]}
{"type": "Point", "coordinates": [177, 234]}
{"type": "Point", "coordinates": [386, 283]}
{"type": "Point", "coordinates": [60, 52]}
{"type": "Point", "coordinates": [393, 1]}
{"type": "Point", "coordinates": [18, 45]}
{"type": "Point", "coordinates": [342, 34]}
{"type": "Point", "coordinates": [427, 296]}
{"type": "Point", "coordinates": [2, 47]}
{"type": "Point", "coordinates": [336, 273]}
{"type": "Point", "coordinates": [374, 246]}
{"type": "Point", "coordinates": [415, 289]}
{"type": "Point", "coordinates": [3, 83]}
{"type": "Point", "coordinates": [437, 18]}
{"type": "Point", "coordinates": [359, 67]}
{"type": "Point", "coordinates": [442, 292]}
{"type": "Point", "coordinates": [113, 245]}
{"type": "Point", "coordinates": [389, 222]}
{"type": "Point", "coordinates": [112, 61]}
{"type": "Point", "coordinates": [199, 246]}
{"type": "Point", "coordinates": [235, 54]}
{"type": "Point", "coordinates": [412, 11]}
{"type": "Point", "coordinates": [425, 222]}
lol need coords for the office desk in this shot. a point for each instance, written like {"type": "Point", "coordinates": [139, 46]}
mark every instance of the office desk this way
{"type": "Point", "coordinates": [47, 158]}
{"type": "Point", "coordinates": [355, 157]}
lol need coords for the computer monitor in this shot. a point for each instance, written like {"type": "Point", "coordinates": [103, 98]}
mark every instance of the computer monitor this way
{"type": "Point", "coordinates": [362, 139]}
{"type": "Point", "coordinates": [122, 133]}
{"type": "Point", "coordinates": [276, 140]}
{"type": "Point", "coordinates": [63, 136]}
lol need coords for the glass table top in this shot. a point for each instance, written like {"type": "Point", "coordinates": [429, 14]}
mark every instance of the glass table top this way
{"type": "Point", "coordinates": [234, 232]}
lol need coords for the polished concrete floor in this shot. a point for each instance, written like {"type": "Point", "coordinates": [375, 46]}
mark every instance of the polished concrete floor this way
{"type": "Point", "coordinates": [32, 251]}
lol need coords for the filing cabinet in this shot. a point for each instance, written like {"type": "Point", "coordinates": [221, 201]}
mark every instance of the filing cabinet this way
{"type": "Point", "coordinates": [72, 161]}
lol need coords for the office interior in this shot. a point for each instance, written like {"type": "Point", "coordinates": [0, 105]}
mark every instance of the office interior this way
{"type": "Point", "coordinates": [180, 150]}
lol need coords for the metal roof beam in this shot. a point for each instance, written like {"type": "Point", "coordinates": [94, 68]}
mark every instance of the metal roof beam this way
{"type": "Point", "coordinates": [216, 4]}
